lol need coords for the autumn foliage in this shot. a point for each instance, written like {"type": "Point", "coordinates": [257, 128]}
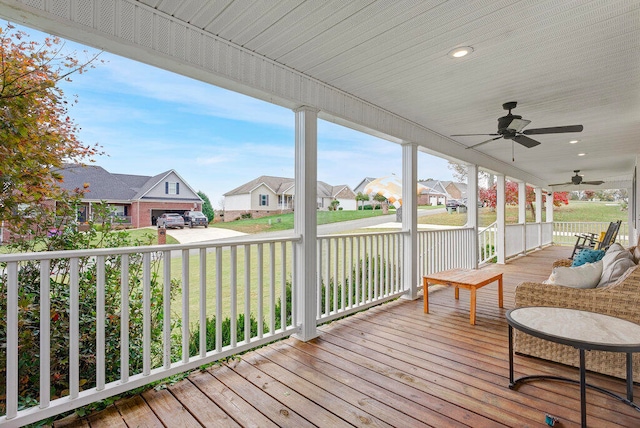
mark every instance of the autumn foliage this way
{"type": "Point", "coordinates": [489, 196]}
{"type": "Point", "coordinates": [37, 136]}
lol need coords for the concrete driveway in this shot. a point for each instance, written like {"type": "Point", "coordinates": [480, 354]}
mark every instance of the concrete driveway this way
{"type": "Point", "coordinates": [201, 234]}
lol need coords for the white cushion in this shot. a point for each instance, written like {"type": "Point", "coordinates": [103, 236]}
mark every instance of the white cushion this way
{"type": "Point", "coordinates": [615, 253]}
{"type": "Point", "coordinates": [585, 276]}
{"type": "Point", "coordinates": [616, 246]}
{"type": "Point", "coordinates": [615, 270]}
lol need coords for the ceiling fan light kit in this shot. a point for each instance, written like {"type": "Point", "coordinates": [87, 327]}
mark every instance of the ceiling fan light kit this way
{"type": "Point", "coordinates": [510, 127]}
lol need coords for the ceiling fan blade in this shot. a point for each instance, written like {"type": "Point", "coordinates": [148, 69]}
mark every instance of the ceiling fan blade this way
{"type": "Point", "coordinates": [560, 184]}
{"type": "Point", "coordinates": [484, 142]}
{"type": "Point", "coordinates": [525, 141]}
{"type": "Point", "coordinates": [469, 135]}
{"type": "Point", "coordinates": [553, 130]}
{"type": "Point", "coordinates": [593, 183]}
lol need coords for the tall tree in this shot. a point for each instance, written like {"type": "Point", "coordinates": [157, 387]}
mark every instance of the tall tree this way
{"type": "Point", "coordinates": [37, 136]}
{"type": "Point", "coordinates": [207, 208]}
{"type": "Point", "coordinates": [459, 172]}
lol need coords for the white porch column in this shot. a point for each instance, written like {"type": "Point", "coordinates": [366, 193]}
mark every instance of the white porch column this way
{"type": "Point", "coordinates": [522, 213]}
{"type": "Point", "coordinates": [538, 191]}
{"type": "Point", "coordinates": [632, 200]}
{"type": "Point", "coordinates": [472, 210]}
{"type": "Point", "coordinates": [410, 219]}
{"type": "Point", "coordinates": [305, 220]}
{"type": "Point", "coordinates": [522, 202]}
{"type": "Point", "coordinates": [500, 219]}
{"type": "Point", "coordinates": [549, 207]}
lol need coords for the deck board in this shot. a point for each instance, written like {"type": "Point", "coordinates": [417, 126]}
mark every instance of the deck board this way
{"type": "Point", "coordinates": [391, 365]}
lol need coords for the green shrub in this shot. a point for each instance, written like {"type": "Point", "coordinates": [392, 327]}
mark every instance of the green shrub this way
{"type": "Point", "coordinates": [194, 337]}
{"type": "Point", "coordinates": [29, 312]}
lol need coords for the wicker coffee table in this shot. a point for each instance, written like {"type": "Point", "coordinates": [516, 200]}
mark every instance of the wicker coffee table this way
{"type": "Point", "coordinates": [471, 279]}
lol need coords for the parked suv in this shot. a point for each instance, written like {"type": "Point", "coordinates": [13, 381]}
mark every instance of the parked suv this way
{"type": "Point", "coordinates": [195, 218]}
{"type": "Point", "coordinates": [453, 203]}
{"type": "Point", "coordinates": [168, 220]}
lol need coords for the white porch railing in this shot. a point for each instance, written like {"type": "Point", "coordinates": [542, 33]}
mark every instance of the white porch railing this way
{"type": "Point", "coordinates": [357, 271]}
{"type": "Point", "coordinates": [564, 233]}
{"type": "Point", "coordinates": [445, 249]}
{"type": "Point", "coordinates": [109, 339]}
{"type": "Point", "coordinates": [176, 301]}
{"type": "Point", "coordinates": [487, 243]}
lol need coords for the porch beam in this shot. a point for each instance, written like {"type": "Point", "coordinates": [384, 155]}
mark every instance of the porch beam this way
{"type": "Point", "coordinates": [410, 219]}
{"type": "Point", "coordinates": [472, 209]}
{"type": "Point", "coordinates": [305, 220]}
{"type": "Point", "coordinates": [501, 241]}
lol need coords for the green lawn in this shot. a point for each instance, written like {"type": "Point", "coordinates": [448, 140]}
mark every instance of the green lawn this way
{"type": "Point", "coordinates": [227, 269]}
{"type": "Point", "coordinates": [576, 211]}
{"type": "Point", "coordinates": [285, 221]}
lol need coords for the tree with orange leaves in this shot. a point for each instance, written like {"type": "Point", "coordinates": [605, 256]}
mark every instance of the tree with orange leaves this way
{"type": "Point", "coordinates": [489, 196]}
{"type": "Point", "coordinates": [37, 136]}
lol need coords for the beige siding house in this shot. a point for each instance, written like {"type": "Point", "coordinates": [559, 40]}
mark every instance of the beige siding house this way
{"type": "Point", "coordinates": [267, 195]}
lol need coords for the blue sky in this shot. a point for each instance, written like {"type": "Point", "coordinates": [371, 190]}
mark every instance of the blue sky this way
{"type": "Point", "coordinates": [149, 120]}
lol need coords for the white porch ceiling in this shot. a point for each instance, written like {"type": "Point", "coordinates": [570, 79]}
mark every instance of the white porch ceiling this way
{"type": "Point", "coordinates": [564, 62]}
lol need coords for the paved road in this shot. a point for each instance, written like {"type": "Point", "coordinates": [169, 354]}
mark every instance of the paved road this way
{"type": "Point", "coordinates": [199, 234]}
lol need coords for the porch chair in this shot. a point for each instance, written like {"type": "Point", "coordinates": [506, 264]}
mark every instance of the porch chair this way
{"type": "Point", "coordinates": [591, 241]}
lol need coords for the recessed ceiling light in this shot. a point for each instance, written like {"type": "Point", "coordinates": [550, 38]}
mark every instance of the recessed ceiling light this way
{"type": "Point", "coordinates": [460, 52]}
{"type": "Point", "coordinates": [582, 154]}
{"type": "Point", "coordinates": [573, 141]}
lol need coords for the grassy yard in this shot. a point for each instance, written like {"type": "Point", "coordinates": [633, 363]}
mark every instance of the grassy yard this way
{"type": "Point", "coordinates": [576, 211]}
{"type": "Point", "coordinates": [228, 269]}
{"type": "Point", "coordinates": [285, 221]}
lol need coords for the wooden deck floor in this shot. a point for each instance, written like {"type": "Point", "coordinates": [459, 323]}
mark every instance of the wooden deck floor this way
{"type": "Point", "coordinates": [392, 365]}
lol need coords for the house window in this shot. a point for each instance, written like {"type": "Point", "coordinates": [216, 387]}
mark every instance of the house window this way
{"type": "Point", "coordinates": [264, 200]}
{"type": "Point", "coordinates": [171, 188]}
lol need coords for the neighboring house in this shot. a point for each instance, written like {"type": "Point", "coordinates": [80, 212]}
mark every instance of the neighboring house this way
{"type": "Point", "coordinates": [342, 193]}
{"type": "Point", "coordinates": [434, 194]}
{"type": "Point", "coordinates": [455, 190]}
{"type": "Point", "coordinates": [360, 189]}
{"type": "Point", "coordinates": [267, 195]}
{"type": "Point", "coordinates": [136, 200]}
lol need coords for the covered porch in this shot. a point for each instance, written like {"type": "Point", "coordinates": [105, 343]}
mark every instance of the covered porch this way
{"type": "Point", "coordinates": [391, 365]}
{"type": "Point", "coordinates": [381, 68]}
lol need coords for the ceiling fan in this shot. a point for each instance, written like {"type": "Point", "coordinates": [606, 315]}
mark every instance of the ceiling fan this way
{"type": "Point", "coordinates": [577, 179]}
{"type": "Point", "coordinates": [510, 127]}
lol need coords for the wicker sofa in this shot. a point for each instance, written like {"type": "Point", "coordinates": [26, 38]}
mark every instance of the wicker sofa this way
{"type": "Point", "coordinates": [620, 299]}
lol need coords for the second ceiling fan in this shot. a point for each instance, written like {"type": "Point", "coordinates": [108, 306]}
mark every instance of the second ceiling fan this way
{"type": "Point", "coordinates": [510, 127]}
{"type": "Point", "coordinates": [577, 179]}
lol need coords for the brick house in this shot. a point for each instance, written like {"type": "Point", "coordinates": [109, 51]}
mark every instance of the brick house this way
{"type": "Point", "coordinates": [137, 200]}
{"type": "Point", "coordinates": [434, 194]}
